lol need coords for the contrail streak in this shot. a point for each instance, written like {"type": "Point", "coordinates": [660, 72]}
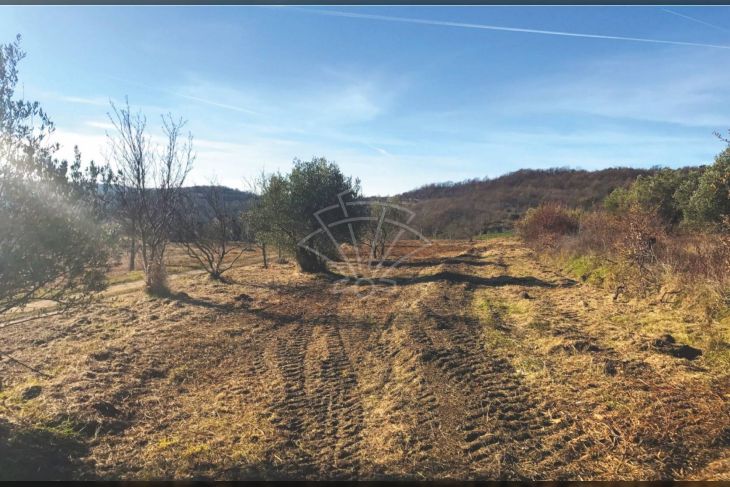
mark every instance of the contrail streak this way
{"type": "Point", "coordinates": [213, 103]}
{"type": "Point", "coordinates": [693, 19]}
{"type": "Point", "coordinates": [507, 29]}
{"type": "Point", "coordinates": [188, 97]}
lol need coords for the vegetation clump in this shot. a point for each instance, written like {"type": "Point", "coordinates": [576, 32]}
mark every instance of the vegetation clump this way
{"type": "Point", "coordinates": [666, 232]}
{"type": "Point", "coordinates": [548, 222]}
{"type": "Point", "coordinates": [54, 243]}
{"type": "Point", "coordinates": [288, 213]}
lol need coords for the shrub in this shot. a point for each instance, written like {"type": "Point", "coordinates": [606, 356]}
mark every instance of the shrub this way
{"type": "Point", "coordinates": [599, 232]}
{"type": "Point", "coordinates": [710, 203]}
{"type": "Point", "coordinates": [656, 193]}
{"type": "Point", "coordinates": [638, 245]}
{"type": "Point", "coordinates": [53, 240]}
{"type": "Point", "coordinates": [617, 201]}
{"type": "Point", "coordinates": [548, 222]}
{"type": "Point", "coordinates": [667, 193]}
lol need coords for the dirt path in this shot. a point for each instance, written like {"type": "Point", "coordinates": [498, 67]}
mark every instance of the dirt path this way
{"type": "Point", "coordinates": [482, 362]}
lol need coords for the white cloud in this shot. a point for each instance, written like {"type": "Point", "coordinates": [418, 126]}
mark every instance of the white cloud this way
{"type": "Point", "coordinates": [94, 101]}
{"type": "Point", "coordinates": [92, 145]}
{"type": "Point", "coordinates": [343, 97]}
{"type": "Point", "coordinates": [104, 125]}
{"type": "Point", "coordinates": [381, 151]}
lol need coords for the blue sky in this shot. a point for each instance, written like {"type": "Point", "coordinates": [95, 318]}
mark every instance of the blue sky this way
{"type": "Point", "coordinates": [444, 95]}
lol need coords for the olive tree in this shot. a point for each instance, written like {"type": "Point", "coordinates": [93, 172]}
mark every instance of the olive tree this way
{"type": "Point", "coordinates": [710, 202]}
{"type": "Point", "coordinates": [289, 208]}
{"type": "Point", "coordinates": [53, 242]}
{"type": "Point", "coordinates": [267, 220]}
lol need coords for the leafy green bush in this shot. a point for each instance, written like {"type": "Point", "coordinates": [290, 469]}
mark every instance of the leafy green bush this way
{"type": "Point", "coordinates": [710, 202]}
{"type": "Point", "coordinates": [667, 193]}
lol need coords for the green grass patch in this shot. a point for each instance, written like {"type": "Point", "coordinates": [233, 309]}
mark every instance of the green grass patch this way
{"type": "Point", "coordinates": [196, 449]}
{"type": "Point", "coordinates": [491, 313]}
{"type": "Point", "coordinates": [167, 442]}
{"type": "Point", "coordinates": [589, 269]}
{"type": "Point", "coordinates": [517, 307]}
{"type": "Point", "coordinates": [131, 276]}
{"type": "Point", "coordinates": [65, 429]}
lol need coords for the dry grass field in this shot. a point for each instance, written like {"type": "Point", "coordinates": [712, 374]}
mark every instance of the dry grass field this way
{"type": "Point", "coordinates": [482, 362]}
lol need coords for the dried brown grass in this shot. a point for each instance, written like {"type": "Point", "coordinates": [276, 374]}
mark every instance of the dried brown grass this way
{"type": "Point", "coordinates": [202, 382]}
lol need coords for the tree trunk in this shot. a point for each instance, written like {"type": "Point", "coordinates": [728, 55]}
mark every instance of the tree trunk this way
{"type": "Point", "coordinates": [132, 254]}
{"type": "Point", "coordinates": [309, 262]}
{"type": "Point", "coordinates": [156, 277]}
{"type": "Point", "coordinates": [263, 249]}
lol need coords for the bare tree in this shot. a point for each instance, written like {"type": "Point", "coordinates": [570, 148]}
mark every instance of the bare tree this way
{"type": "Point", "coordinates": [377, 234]}
{"type": "Point", "coordinates": [254, 232]}
{"type": "Point", "coordinates": [148, 184]}
{"type": "Point", "coordinates": [211, 231]}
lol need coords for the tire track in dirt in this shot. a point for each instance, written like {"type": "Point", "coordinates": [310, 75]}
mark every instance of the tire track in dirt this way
{"type": "Point", "coordinates": [316, 402]}
{"type": "Point", "coordinates": [289, 407]}
{"type": "Point", "coordinates": [423, 400]}
{"type": "Point", "coordinates": [459, 407]}
{"type": "Point", "coordinates": [336, 416]}
{"type": "Point", "coordinates": [402, 408]}
{"type": "Point", "coordinates": [500, 421]}
{"type": "Point", "coordinates": [501, 424]}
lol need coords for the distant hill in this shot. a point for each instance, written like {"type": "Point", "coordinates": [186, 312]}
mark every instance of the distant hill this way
{"type": "Point", "coordinates": [488, 205]}
{"type": "Point", "coordinates": [233, 197]}
{"type": "Point", "coordinates": [476, 206]}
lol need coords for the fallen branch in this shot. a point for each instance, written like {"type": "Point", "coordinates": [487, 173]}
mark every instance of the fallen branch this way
{"type": "Point", "coordinates": [32, 318]}
{"type": "Point", "coordinates": [33, 369]}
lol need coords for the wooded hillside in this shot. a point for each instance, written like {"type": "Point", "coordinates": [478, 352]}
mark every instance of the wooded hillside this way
{"type": "Point", "coordinates": [476, 206]}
